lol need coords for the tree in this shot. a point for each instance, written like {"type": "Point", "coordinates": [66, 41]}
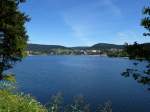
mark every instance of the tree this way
{"type": "Point", "coordinates": [141, 51]}
{"type": "Point", "coordinates": [13, 37]}
{"type": "Point", "coordinates": [146, 21]}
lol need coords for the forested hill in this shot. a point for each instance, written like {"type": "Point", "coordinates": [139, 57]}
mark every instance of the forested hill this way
{"type": "Point", "coordinates": [107, 46]}
{"type": "Point", "coordinates": [38, 47]}
{"type": "Point", "coordinates": [103, 48]}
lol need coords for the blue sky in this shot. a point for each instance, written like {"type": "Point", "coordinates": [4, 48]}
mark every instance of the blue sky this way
{"type": "Point", "coordinates": [85, 22]}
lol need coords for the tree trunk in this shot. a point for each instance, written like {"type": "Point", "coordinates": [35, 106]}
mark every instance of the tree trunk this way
{"type": "Point", "coordinates": [1, 76]}
{"type": "Point", "coordinates": [1, 71]}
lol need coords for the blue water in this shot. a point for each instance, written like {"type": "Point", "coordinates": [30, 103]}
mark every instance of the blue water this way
{"type": "Point", "coordinates": [97, 78]}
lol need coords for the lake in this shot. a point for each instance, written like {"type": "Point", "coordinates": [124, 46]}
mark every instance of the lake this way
{"type": "Point", "coordinates": [97, 78]}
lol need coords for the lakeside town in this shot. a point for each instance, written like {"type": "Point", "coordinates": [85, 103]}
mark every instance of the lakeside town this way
{"type": "Point", "coordinates": [76, 52]}
{"type": "Point", "coordinates": [109, 50]}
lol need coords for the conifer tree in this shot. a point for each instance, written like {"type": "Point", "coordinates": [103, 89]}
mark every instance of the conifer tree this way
{"type": "Point", "coordinates": [13, 37]}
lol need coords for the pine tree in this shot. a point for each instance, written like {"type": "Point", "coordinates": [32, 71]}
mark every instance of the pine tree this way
{"type": "Point", "coordinates": [13, 37]}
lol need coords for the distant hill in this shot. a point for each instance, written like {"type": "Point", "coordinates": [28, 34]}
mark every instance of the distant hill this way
{"type": "Point", "coordinates": [80, 48]}
{"type": "Point", "coordinates": [109, 49]}
{"type": "Point", "coordinates": [106, 46]}
{"type": "Point", "coordinates": [38, 47]}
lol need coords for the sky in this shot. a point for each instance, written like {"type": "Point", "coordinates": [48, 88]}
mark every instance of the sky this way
{"type": "Point", "coordinates": [84, 22]}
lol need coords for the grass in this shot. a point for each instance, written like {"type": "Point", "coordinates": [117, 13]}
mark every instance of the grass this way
{"type": "Point", "coordinates": [10, 102]}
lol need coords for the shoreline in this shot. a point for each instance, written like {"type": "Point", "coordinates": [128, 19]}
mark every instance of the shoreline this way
{"type": "Point", "coordinates": [81, 55]}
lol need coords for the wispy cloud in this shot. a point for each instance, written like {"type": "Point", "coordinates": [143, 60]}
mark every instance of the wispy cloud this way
{"type": "Point", "coordinates": [78, 29]}
{"type": "Point", "coordinates": [111, 7]}
{"type": "Point", "coordinates": [129, 37]}
{"type": "Point", "coordinates": [83, 19]}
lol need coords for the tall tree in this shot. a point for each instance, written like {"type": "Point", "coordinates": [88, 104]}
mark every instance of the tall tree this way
{"type": "Point", "coordinates": [13, 37]}
{"type": "Point", "coordinates": [146, 21]}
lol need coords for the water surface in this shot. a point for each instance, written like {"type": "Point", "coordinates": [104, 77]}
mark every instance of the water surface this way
{"type": "Point", "coordinates": [97, 78]}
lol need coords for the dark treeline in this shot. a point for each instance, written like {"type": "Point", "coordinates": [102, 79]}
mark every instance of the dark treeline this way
{"type": "Point", "coordinates": [138, 51]}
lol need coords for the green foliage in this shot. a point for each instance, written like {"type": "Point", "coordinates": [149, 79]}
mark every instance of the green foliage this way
{"type": "Point", "coordinates": [9, 77]}
{"type": "Point", "coordinates": [138, 51]}
{"type": "Point", "coordinates": [122, 53]}
{"type": "Point", "coordinates": [107, 107]}
{"type": "Point", "coordinates": [56, 103]}
{"type": "Point", "coordinates": [7, 85]}
{"type": "Point", "coordinates": [10, 102]}
{"type": "Point", "coordinates": [13, 38]}
{"type": "Point", "coordinates": [146, 21]}
{"type": "Point", "coordinates": [141, 76]}
{"type": "Point", "coordinates": [78, 105]}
